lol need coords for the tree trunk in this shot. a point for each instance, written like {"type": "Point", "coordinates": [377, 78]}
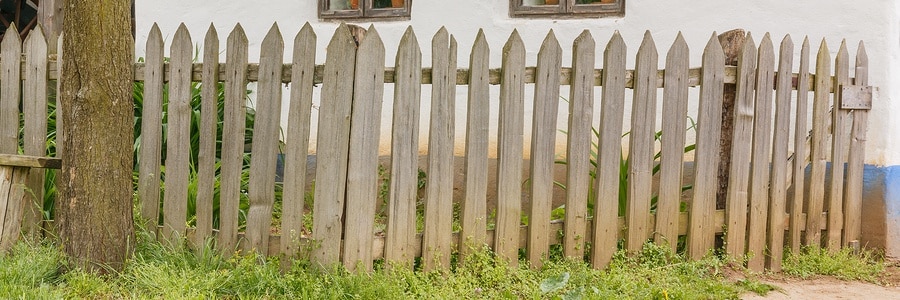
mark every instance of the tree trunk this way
{"type": "Point", "coordinates": [94, 210]}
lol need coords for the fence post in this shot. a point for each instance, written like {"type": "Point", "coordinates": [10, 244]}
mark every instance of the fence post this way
{"type": "Point", "coordinates": [732, 42]}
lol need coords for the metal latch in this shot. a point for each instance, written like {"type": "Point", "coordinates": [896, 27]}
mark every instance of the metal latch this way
{"type": "Point", "coordinates": [856, 97]}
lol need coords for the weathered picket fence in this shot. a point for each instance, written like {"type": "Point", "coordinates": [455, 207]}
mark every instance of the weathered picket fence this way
{"type": "Point", "coordinates": [770, 196]}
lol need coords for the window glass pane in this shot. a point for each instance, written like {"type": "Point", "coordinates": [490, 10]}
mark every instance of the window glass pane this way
{"type": "Point", "coordinates": [388, 3]}
{"type": "Point", "coordinates": [344, 4]}
{"type": "Point", "coordinates": [594, 1]}
{"type": "Point", "coordinates": [539, 2]}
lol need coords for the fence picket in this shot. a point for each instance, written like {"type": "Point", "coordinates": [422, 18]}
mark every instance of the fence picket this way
{"type": "Point", "coordinates": [701, 230]}
{"type": "Point", "coordinates": [606, 200]}
{"type": "Point", "coordinates": [178, 134]}
{"type": "Point", "coordinates": [736, 201]}
{"type": "Point", "coordinates": [640, 146]}
{"type": "Point", "coordinates": [35, 132]}
{"type": "Point", "coordinates": [818, 148]}
{"type": "Point", "coordinates": [839, 141]}
{"type": "Point", "coordinates": [761, 158]}
{"type": "Point", "coordinates": [331, 166]}
{"type": "Point", "coordinates": [151, 130]}
{"type": "Point", "coordinates": [800, 150]}
{"type": "Point", "coordinates": [675, 103]}
{"type": "Point", "coordinates": [297, 143]}
{"type": "Point", "coordinates": [362, 181]}
{"type": "Point", "coordinates": [474, 211]}
{"type": "Point", "coordinates": [232, 139]}
{"type": "Point", "coordinates": [543, 142]}
{"type": "Point", "coordinates": [779, 170]}
{"type": "Point", "coordinates": [856, 160]}
{"type": "Point", "coordinates": [578, 150]}
{"type": "Point", "coordinates": [206, 157]}
{"type": "Point", "coordinates": [10, 79]}
{"type": "Point", "coordinates": [12, 182]}
{"type": "Point", "coordinates": [509, 151]}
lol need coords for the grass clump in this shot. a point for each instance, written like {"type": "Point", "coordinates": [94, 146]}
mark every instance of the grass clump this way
{"type": "Point", "coordinates": [843, 264]}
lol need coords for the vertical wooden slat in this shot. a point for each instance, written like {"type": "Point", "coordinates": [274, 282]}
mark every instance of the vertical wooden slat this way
{"type": "Point", "coordinates": [640, 146]}
{"type": "Point", "coordinates": [297, 141]}
{"type": "Point", "coordinates": [578, 150]}
{"type": "Point", "coordinates": [206, 157]}
{"type": "Point", "coordinates": [178, 135]}
{"type": "Point", "coordinates": [606, 199]}
{"type": "Point", "coordinates": [151, 130]}
{"type": "Point", "coordinates": [761, 156]}
{"type": "Point", "coordinates": [856, 160]}
{"type": "Point", "coordinates": [35, 131]}
{"type": "Point", "coordinates": [675, 102]}
{"type": "Point", "coordinates": [818, 148]}
{"type": "Point", "coordinates": [401, 224]}
{"type": "Point", "coordinates": [266, 130]}
{"type": "Point", "coordinates": [509, 150]}
{"type": "Point", "coordinates": [701, 231]}
{"type": "Point", "coordinates": [439, 191]}
{"type": "Point", "coordinates": [362, 185]}
{"type": "Point", "coordinates": [6, 173]}
{"type": "Point", "coordinates": [474, 206]}
{"type": "Point", "coordinates": [543, 143]}
{"type": "Point", "coordinates": [736, 201]}
{"type": "Point", "coordinates": [232, 139]}
{"type": "Point", "coordinates": [12, 185]}
{"type": "Point", "coordinates": [800, 148]}
{"type": "Point", "coordinates": [10, 92]}
{"type": "Point", "coordinates": [778, 185]}
{"type": "Point", "coordinates": [839, 147]}
{"type": "Point", "coordinates": [59, 121]}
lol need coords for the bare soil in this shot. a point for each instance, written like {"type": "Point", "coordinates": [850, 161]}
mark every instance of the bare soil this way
{"type": "Point", "coordinates": [824, 287]}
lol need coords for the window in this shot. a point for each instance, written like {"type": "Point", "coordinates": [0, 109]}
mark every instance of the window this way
{"type": "Point", "coordinates": [364, 9]}
{"type": "Point", "coordinates": [566, 8]}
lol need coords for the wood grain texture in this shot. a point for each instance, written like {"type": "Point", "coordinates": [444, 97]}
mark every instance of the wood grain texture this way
{"type": "Point", "coordinates": [12, 204]}
{"type": "Point", "coordinates": [856, 158]}
{"type": "Point", "coordinates": [818, 148]}
{"type": "Point", "coordinates": [839, 147]}
{"type": "Point", "coordinates": [331, 166]}
{"type": "Point", "coordinates": [674, 121]}
{"type": "Point", "coordinates": [6, 177]}
{"type": "Point", "coordinates": [10, 93]}
{"type": "Point", "coordinates": [732, 43]}
{"type": "Point", "coordinates": [209, 119]}
{"type": "Point", "coordinates": [612, 109]}
{"type": "Point", "coordinates": [761, 158]}
{"type": "Point", "coordinates": [473, 214]}
{"type": "Point", "coordinates": [578, 148]}
{"type": "Point", "coordinates": [543, 142]}
{"type": "Point", "coordinates": [232, 139]}
{"type": "Point", "coordinates": [178, 135]}
{"type": "Point", "coordinates": [14, 160]}
{"type": "Point", "coordinates": [401, 224]}
{"type": "Point", "coordinates": [702, 226]}
{"type": "Point", "coordinates": [736, 200]}
{"type": "Point", "coordinates": [640, 147]}
{"type": "Point", "coordinates": [779, 169]}
{"type": "Point", "coordinates": [151, 131]}
{"type": "Point", "coordinates": [266, 131]}
{"type": "Point", "coordinates": [34, 92]}
{"type": "Point", "coordinates": [800, 156]}
{"type": "Point", "coordinates": [362, 180]}
{"type": "Point", "coordinates": [509, 150]}
{"type": "Point", "coordinates": [59, 121]}
{"type": "Point", "coordinates": [297, 142]}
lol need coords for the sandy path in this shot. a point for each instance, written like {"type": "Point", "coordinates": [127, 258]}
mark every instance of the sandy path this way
{"type": "Point", "coordinates": [827, 288]}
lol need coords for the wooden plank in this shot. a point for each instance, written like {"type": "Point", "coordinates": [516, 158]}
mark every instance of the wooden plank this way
{"type": "Point", "coordinates": [578, 149]}
{"type": "Point", "coordinates": [178, 135]}
{"type": "Point", "coordinates": [606, 199]}
{"type": "Point", "coordinates": [736, 200]}
{"type": "Point", "coordinates": [818, 148]}
{"type": "Point", "coordinates": [640, 147]}
{"type": "Point", "coordinates": [856, 160]}
{"type": "Point", "coordinates": [331, 166]}
{"type": "Point", "coordinates": [12, 188]}
{"type": "Point", "coordinates": [839, 146]}
{"type": "Point", "coordinates": [59, 120]}
{"type": "Point", "coordinates": [149, 159]}
{"type": "Point", "coordinates": [674, 122]}
{"type": "Point", "coordinates": [206, 157]}
{"type": "Point", "coordinates": [232, 139]}
{"type": "Point", "coordinates": [266, 130]}
{"type": "Point", "coordinates": [10, 92]}
{"type": "Point", "coordinates": [702, 226]}
{"type": "Point", "coordinates": [297, 142]}
{"type": "Point", "coordinates": [439, 191]}
{"type": "Point", "coordinates": [509, 150]}
{"type": "Point", "coordinates": [543, 142]}
{"type": "Point", "coordinates": [800, 149]}
{"type": "Point", "coordinates": [35, 131]}
{"type": "Point", "coordinates": [761, 157]}
{"type": "Point", "coordinates": [401, 223]}
{"type": "Point", "coordinates": [779, 170]}
{"type": "Point", "coordinates": [362, 181]}
{"type": "Point", "coordinates": [473, 213]}
{"type": "Point", "coordinates": [30, 161]}
{"type": "Point", "coordinates": [6, 173]}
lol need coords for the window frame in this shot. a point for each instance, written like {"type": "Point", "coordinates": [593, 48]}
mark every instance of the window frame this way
{"type": "Point", "coordinates": [366, 11]}
{"type": "Point", "coordinates": [567, 9]}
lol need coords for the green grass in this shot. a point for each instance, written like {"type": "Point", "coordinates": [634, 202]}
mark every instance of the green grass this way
{"type": "Point", "coordinates": [844, 264]}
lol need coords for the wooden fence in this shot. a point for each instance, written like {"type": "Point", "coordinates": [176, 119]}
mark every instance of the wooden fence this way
{"type": "Point", "coordinates": [772, 200]}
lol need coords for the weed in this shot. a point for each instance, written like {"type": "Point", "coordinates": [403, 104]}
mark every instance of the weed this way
{"type": "Point", "coordinates": [843, 264]}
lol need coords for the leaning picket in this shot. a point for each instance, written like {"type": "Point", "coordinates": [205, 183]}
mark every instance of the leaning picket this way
{"type": "Point", "coordinates": [778, 185]}
{"type": "Point", "coordinates": [761, 156]}
{"type": "Point", "coordinates": [151, 131]}
{"type": "Point", "coordinates": [209, 119]}
{"type": "Point", "coordinates": [578, 150]}
{"type": "Point", "coordinates": [473, 214]}
{"type": "Point", "coordinates": [10, 78]}
{"type": "Point", "coordinates": [855, 162]}
{"type": "Point", "coordinates": [232, 139]}
{"type": "Point", "coordinates": [839, 141]}
{"type": "Point", "coordinates": [800, 148]}
{"type": "Point", "coordinates": [738, 180]}
{"type": "Point", "coordinates": [35, 133]}
{"type": "Point", "coordinates": [675, 103]}
{"type": "Point", "coordinates": [818, 149]}
{"type": "Point", "coordinates": [178, 135]}
{"type": "Point", "coordinates": [509, 151]}
{"type": "Point", "coordinates": [640, 146]}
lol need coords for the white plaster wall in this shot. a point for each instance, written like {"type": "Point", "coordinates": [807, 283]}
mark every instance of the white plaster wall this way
{"type": "Point", "coordinates": [874, 21]}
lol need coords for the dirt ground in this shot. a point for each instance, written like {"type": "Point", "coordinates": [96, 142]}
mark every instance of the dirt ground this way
{"type": "Point", "coordinates": [822, 288]}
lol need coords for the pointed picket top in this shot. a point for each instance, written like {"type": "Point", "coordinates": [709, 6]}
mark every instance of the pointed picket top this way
{"type": "Point", "coordinates": [551, 46]}
{"type": "Point", "coordinates": [678, 49]}
{"type": "Point", "coordinates": [648, 46]}
{"type": "Point", "coordinates": [371, 41]}
{"type": "Point", "coordinates": [713, 50]}
{"type": "Point", "coordinates": [273, 38]}
{"type": "Point", "coordinates": [823, 56]}
{"type": "Point", "coordinates": [480, 43]}
{"type": "Point", "coordinates": [36, 36]}
{"type": "Point", "coordinates": [765, 46]}
{"type": "Point", "coordinates": [787, 41]}
{"type": "Point", "coordinates": [584, 41]}
{"type": "Point", "coordinates": [212, 36]}
{"type": "Point", "coordinates": [409, 44]}
{"type": "Point", "coordinates": [862, 65]}
{"type": "Point", "coordinates": [11, 38]}
{"type": "Point", "coordinates": [440, 37]}
{"type": "Point", "coordinates": [237, 35]}
{"type": "Point", "coordinates": [514, 43]}
{"type": "Point", "coordinates": [616, 42]}
{"type": "Point", "coordinates": [842, 55]}
{"type": "Point", "coordinates": [340, 38]}
{"type": "Point", "coordinates": [453, 46]}
{"type": "Point", "coordinates": [749, 45]}
{"type": "Point", "coordinates": [182, 34]}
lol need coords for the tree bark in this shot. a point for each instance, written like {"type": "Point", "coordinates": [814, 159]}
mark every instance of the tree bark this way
{"type": "Point", "coordinates": [732, 42]}
{"type": "Point", "coordinates": [94, 210]}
